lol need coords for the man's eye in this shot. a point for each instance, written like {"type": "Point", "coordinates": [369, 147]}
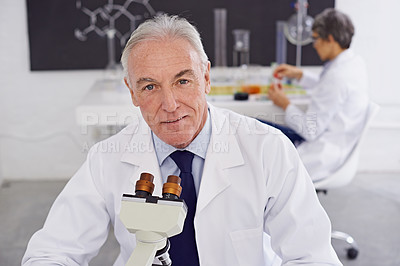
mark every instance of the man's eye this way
{"type": "Point", "coordinates": [183, 81]}
{"type": "Point", "coordinates": [149, 87]}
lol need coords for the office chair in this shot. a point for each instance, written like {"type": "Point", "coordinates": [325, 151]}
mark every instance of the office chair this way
{"type": "Point", "coordinates": [343, 176]}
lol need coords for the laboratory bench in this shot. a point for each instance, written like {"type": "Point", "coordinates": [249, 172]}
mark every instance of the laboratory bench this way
{"type": "Point", "coordinates": [108, 103]}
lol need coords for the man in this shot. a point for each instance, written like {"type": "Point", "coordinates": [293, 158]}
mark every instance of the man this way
{"type": "Point", "coordinates": [326, 133]}
{"type": "Point", "coordinates": [251, 188]}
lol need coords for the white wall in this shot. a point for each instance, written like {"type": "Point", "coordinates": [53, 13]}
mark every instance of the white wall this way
{"type": "Point", "coordinates": [377, 40]}
{"type": "Point", "coordinates": [39, 137]}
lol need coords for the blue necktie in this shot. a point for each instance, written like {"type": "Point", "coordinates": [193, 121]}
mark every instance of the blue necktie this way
{"type": "Point", "coordinates": [183, 250]}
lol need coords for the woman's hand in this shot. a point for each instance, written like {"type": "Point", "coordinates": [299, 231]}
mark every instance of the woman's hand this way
{"type": "Point", "coordinates": [278, 97]}
{"type": "Point", "coordinates": [287, 71]}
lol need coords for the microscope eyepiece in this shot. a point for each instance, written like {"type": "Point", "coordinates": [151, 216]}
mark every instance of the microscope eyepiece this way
{"type": "Point", "coordinates": [145, 185]}
{"type": "Point", "coordinates": [172, 188]}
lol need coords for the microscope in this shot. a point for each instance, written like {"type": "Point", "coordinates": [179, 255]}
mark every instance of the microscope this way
{"type": "Point", "coordinates": [153, 219]}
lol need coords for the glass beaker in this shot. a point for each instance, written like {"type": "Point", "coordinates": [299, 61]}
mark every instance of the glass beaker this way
{"type": "Point", "coordinates": [241, 47]}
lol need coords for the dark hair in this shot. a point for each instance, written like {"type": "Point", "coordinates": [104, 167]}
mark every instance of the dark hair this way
{"type": "Point", "coordinates": [335, 23]}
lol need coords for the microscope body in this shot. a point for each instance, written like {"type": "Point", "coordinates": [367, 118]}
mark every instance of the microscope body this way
{"type": "Point", "coordinates": [153, 220]}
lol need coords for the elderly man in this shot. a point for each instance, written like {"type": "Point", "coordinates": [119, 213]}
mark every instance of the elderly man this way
{"type": "Point", "coordinates": [326, 133]}
{"type": "Point", "coordinates": [247, 190]}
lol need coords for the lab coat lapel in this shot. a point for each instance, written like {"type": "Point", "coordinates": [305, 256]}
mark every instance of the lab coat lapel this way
{"type": "Point", "coordinates": [223, 153]}
{"type": "Point", "coordinates": [140, 153]}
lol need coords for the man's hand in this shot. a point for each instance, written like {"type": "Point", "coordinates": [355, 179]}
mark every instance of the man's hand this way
{"type": "Point", "coordinates": [287, 71]}
{"type": "Point", "coordinates": [278, 97]}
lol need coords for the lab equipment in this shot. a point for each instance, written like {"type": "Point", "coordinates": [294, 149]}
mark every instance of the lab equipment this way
{"type": "Point", "coordinates": [220, 15]}
{"type": "Point", "coordinates": [113, 69]}
{"type": "Point", "coordinates": [281, 46]}
{"type": "Point", "coordinates": [298, 28]}
{"type": "Point", "coordinates": [241, 47]}
{"type": "Point", "coordinates": [241, 96]}
{"type": "Point", "coordinates": [153, 219]}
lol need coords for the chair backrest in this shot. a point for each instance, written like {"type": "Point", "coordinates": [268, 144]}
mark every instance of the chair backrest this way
{"type": "Point", "coordinates": [348, 170]}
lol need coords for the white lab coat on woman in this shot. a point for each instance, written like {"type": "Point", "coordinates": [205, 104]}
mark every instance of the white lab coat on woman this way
{"type": "Point", "coordinates": [253, 186]}
{"type": "Point", "coordinates": [335, 117]}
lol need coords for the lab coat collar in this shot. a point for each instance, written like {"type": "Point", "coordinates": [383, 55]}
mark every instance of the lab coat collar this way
{"type": "Point", "coordinates": [223, 153]}
{"type": "Point", "coordinates": [342, 57]}
{"type": "Point", "coordinates": [338, 60]}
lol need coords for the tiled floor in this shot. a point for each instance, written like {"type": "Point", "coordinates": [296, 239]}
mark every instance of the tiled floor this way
{"type": "Point", "coordinates": [368, 209]}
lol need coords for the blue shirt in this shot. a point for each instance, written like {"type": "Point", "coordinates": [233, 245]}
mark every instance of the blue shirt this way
{"type": "Point", "coordinates": [198, 147]}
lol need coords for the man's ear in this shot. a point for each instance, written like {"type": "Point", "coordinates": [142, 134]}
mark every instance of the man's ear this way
{"type": "Point", "coordinates": [207, 78]}
{"type": "Point", "coordinates": [133, 96]}
{"type": "Point", "coordinates": [330, 38]}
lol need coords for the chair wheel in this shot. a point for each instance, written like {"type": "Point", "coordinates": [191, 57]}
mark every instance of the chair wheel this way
{"type": "Point", "coordinates": [352, 253]}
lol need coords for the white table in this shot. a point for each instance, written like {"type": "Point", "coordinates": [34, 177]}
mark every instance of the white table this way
{"type": "Point", "coordinates": [108, 103]}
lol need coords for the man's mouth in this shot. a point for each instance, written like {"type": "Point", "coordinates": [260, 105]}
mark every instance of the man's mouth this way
{"type": "Point", "coordinates": [176, 120]}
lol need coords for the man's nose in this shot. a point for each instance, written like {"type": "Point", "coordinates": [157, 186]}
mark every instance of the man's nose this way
{"type": "Point", "coordinates": [169, 103]}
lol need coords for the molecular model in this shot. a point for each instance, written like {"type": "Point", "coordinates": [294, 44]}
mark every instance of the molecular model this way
{"type": "Point", "coordinates": [105, 20]}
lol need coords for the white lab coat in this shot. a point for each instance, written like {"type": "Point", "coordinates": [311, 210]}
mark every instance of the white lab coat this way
{"type": "Point", "coordinates": [253, 185]}
{"type": "Point", "coordinates": [335, 117]}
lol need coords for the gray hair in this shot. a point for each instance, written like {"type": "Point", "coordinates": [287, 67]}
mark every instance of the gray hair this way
{"type": "Point", "coordinates": [161, 27]}
{"type": "Point", "coordinates": [335, 23]}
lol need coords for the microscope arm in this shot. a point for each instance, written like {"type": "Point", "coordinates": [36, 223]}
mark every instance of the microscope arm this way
{"type": "Point", "coordinates": [144, 253]}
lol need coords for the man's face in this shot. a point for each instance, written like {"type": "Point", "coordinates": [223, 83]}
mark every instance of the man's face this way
{"type": "Point", "coordinates": [168, 83]}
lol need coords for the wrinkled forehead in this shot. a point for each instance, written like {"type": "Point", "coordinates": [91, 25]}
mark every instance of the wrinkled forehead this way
{"type": "Point", "coordinates": [162, 54]}
{"type": "Point", "coordinates": [163, 49]}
